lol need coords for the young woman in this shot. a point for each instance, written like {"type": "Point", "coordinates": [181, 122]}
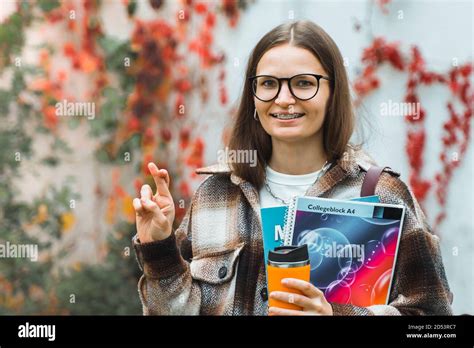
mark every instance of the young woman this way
{"type": "Point", "coordinates": [295, 111]}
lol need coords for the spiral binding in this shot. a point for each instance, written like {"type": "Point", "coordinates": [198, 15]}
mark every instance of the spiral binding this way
{"type": "Point", "coordinates": [290, 216]}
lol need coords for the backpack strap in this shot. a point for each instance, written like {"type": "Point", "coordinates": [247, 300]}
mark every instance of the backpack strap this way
{"type": "Point", "coordinates": [370, 181]}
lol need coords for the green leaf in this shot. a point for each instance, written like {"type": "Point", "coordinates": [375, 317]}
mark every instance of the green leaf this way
{"type": "Point", "coordinates": [132, 7]}
{"type": "Point", "coordinates": [102, 156]}
{"type": "Point", "coordinates": [106, 121]}
{"type": "Point", "coordinates": [48, 5]}
{"type": "Point", "coordinates": [73, 122]}
{"type": "Point", "coordinates": [116, 51]}
{"type": "Point", "coordinates": [109, 44]}
{"type": "Point", "coordinates": [50, 161]}
{"type": "Point", "coordinates": [11, 38]}
{"type": "Point", "coordinates": [5, 99]}
{"type": "Point", "coordinates": [60, 144]}
{"type": "Point", "coordinates": [18, 83]}
{"type": "Point", "coordinates": [131, 144]}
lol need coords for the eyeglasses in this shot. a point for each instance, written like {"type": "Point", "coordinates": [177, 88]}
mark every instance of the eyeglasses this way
{"type": "Point", "coordinates": [301, 86]}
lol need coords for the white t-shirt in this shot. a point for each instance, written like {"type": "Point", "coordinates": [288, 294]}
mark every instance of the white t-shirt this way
{"type": "Point", "coordinates": [284, 186]}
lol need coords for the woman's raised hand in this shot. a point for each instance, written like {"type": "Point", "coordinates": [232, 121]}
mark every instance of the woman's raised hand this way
{"type": "Point", "coordinates": [155, 213]}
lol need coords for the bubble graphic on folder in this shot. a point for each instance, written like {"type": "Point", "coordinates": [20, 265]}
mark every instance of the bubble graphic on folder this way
{"type": "Point", "coordinates": [338, 293]}
{"type": "Point", "coordinates": [389, 241]}
{"type": "Point", "coordinates": [381, 286]}
{"type": "Point", "coordinates": [324, 247]}
{"type": "Point", "coordinates": [373, 257]}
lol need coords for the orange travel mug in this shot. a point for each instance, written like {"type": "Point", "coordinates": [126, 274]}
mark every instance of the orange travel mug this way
{"type": "Point", "coordinates": [287, 262]}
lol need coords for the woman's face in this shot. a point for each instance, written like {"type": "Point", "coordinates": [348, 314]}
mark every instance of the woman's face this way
{"type": "Point", "coordinates": [287, 61]}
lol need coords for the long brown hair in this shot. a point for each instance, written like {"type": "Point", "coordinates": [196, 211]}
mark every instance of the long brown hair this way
{"type": "Point", "coordinates": [248, 134]}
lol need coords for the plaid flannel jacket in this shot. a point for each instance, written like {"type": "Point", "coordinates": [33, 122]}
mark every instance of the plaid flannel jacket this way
{"type": "Point", "coordinates": [213, 263]}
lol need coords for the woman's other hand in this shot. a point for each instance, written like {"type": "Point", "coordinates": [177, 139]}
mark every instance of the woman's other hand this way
{"type": "Point", "coordinates": [312, 300]}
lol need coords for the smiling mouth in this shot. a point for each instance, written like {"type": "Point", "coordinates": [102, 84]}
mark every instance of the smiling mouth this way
{"type": "Point", "coordinates": [287, 116]}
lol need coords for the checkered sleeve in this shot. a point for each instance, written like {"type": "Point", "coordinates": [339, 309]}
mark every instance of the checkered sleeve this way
{"type": "Point", "coordinates": [166, 286]}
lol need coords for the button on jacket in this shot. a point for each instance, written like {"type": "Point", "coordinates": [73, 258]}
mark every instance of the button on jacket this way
{"type": "Point", "coordinates": [213, 263]}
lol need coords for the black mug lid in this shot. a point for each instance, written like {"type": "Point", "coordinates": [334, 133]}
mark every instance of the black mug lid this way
{"type": "Point", "coordinates": [290, 253]}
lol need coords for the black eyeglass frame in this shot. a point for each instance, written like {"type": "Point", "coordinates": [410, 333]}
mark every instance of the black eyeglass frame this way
{"type": "Point", "coordinates": [252, 80]}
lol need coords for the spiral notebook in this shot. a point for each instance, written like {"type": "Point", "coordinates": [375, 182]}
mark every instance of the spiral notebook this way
{"type": "Point", "coordinates": [352, 245]}
{"type": "Point", "coordinates": [273, 222]}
